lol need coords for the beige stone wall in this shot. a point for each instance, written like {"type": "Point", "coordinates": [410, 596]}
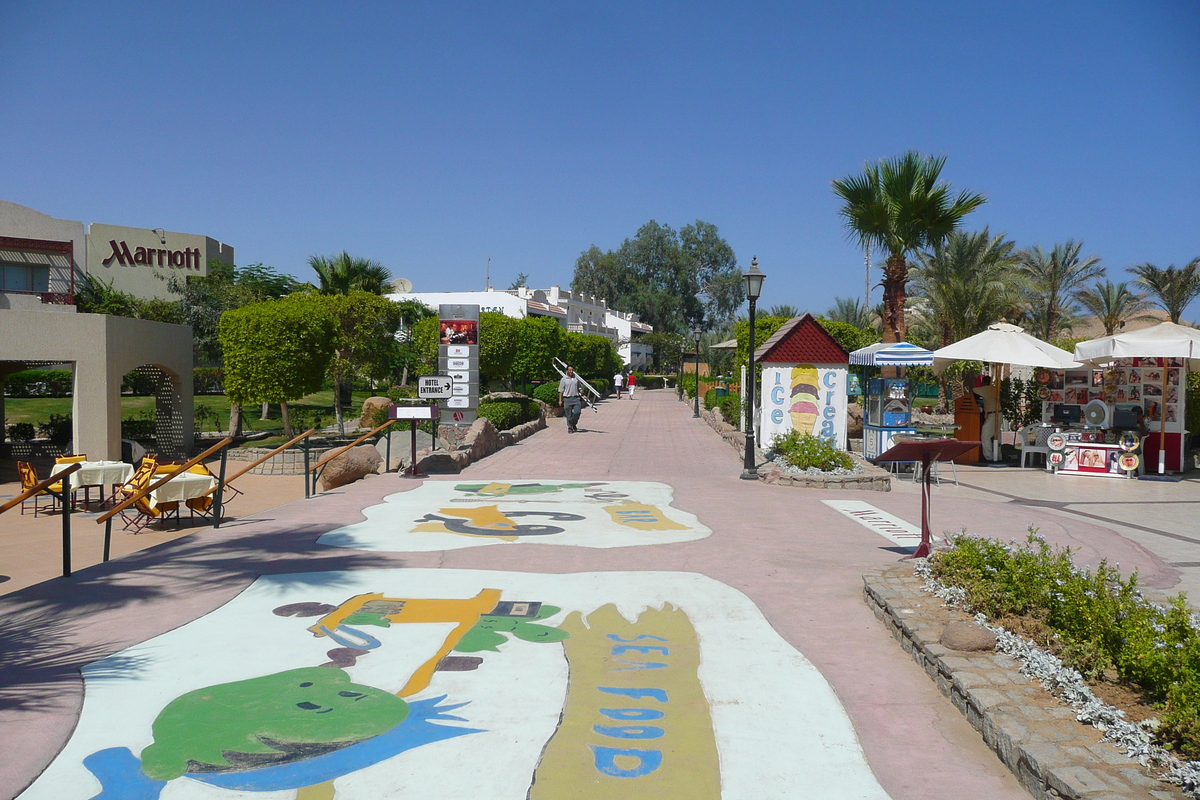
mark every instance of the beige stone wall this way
{"type": "Point", "coordinates": [158, 248]}
{"type": "Point", "coordinates": [102, 350]}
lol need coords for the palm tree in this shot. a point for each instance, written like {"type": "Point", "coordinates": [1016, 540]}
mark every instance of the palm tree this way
{"type": "Point", "coordinates": [900, 206]}
{"type": "Point", "coordinates": [1174, 287]}
{"type": "Point", "coordinates": [344, 273]}
{"type": "Point", "coordinates": [1051, 281]}
{"type": "Point", "coordinates": [967, 283]}
{"type": "Point", "coordinates": [785, 310]}
{"type": "Point", "coordinates": [1113, 304]}
{"type": "Point", "coordinates": [851, 310]}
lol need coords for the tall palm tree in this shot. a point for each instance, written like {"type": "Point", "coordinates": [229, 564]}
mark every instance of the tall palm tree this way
{"type": "Point", "coordinates": [1051, 281]}
{"type": "Point", "coordinates": [344, 273]}
{"type": "Point", "coordinates": [1174, 287]}
{"type": "Point", "coordinates": [901, 206]}
{"type": "Point", "coordinates": [852, 311]}
{"type": "Point", "coordinates": [967, 282]}
{"type": "Point", "coordinates": [784, 310]}
{"type": "Point", "coordinates": [1113, 304]}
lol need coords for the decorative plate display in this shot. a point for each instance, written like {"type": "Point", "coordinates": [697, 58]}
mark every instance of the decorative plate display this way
{"type": "Point", "coordinates": [1043, 393]}
{"type": "Point", "coordinates": [1129, 461]}
{"type": "Point", "coordinates": [1129, 441]}
{"type": "Point", "coordinates": [1056, 458]}
{"type": "Point", "coordinates": [1056, 442]}
{"type": "Point", "coordinates": [1042, 376]}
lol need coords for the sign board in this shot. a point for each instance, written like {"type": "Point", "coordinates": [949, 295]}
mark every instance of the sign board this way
{"type": "Point", "coordinates": [458, 361]}
{"type": "Point", "coordinates": [413, 412]}
{"type": "Point", "coordinates": [810, 398]}
{"type": "Point", "coordinates": [433, 386]}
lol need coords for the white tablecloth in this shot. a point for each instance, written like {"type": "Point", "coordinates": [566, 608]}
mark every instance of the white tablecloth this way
{"type": "Point", "coordinates": [182, 487]}
{"type": "Point", "coordinates": [98, 473]}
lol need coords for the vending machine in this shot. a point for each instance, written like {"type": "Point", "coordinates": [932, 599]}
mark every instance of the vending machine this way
{"type": "Point", "coordinates": [888, 413]}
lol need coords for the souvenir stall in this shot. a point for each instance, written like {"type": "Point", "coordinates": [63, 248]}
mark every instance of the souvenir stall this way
{"type": "Point", "coordinates": [804, 372]}
{"type": "Point", "coordinates": [1136, 388]}
{"type": "Point", "coordinates": [887, 402]}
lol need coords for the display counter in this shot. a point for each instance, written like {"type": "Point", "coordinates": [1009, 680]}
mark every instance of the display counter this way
{"type": "Point", "coordinates": [1071, 455]}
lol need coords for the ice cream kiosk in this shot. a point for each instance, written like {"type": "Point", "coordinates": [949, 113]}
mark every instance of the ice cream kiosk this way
{"type": "Point", "coordinates": [804, 373]}
{"type": "Point", "coordinates": [887, 402]}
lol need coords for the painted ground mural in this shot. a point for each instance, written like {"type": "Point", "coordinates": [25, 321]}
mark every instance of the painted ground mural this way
{"type": "Point", "coordinates": [460, 684]}
{"type": "Point", "coordinates": [446, 515]}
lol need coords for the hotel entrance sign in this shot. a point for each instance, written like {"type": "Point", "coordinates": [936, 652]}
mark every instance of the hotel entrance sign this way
{"type": "Point", "coordinates": [458, 361]}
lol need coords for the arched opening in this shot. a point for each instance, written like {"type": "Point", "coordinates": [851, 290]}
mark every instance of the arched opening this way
{"type": "Point", "coordinates": [160, 426]}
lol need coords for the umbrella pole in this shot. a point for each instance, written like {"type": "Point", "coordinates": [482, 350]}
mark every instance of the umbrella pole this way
{"type": "Point", "coordinates": [1162, 420]}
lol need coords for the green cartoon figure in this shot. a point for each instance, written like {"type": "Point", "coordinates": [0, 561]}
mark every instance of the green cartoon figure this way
{"type": "Point", "coordinates": [267, 720]}
{"type": "Point", "coordinates": [488, 633]}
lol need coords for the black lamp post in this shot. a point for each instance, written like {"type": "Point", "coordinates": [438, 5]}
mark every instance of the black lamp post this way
{"type": "Point", "coordinates": [696, 406]}
{"type": "Point", "coordinates": [754, 281]}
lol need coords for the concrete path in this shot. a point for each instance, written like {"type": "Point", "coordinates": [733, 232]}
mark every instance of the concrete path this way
{"type": "Point", "coordinates": [778, 559]}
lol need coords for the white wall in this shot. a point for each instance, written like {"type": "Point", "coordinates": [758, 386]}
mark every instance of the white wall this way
{"type": "Point", "coordinates": [827, 417]}
{"type": "Point", "coordinates": [499, 302]}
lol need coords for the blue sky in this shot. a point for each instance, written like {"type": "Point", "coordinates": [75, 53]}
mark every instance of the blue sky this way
{"type": "Point", "coordinates": [434, 136]}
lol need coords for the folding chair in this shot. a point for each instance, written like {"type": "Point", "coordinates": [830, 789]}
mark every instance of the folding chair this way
{"type": "Point", "coordinates": [29, 479]}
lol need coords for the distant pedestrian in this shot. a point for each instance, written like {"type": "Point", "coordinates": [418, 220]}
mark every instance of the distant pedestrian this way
{"type": "Point", "coordinates": [617, 379]}
{"type": "Point", "coordinates": [631, 382]}
{"type": "Point", "coordinates": [568, 398]}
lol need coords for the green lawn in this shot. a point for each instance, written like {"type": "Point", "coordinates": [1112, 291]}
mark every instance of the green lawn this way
{"type": "Point", "coordinates": [38, 410]}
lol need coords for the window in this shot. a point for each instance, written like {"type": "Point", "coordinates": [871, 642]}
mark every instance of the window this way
{"type": "Point", "coordinates": [25, 278]}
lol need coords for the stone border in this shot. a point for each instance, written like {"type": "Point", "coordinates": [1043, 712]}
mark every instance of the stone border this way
{"type": "Point", "coordinates": [1033, 733]}
{"type": "Point", "coordinates": [872, 478]}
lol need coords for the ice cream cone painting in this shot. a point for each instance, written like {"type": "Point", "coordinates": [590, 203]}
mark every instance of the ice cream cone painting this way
{"type": "Point", "coordinates": [805, 395]}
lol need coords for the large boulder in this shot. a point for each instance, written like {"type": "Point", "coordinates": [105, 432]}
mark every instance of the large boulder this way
{"type": "Point", "coordinates": [352, 465]}
{"type": "Point", "coordinates": [370, 406]}
{"type": "Point", "coordinates": [482, 439]}
{"type": "Point", "coordinates": [968, 637]}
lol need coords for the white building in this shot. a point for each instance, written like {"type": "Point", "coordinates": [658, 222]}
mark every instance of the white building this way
{"type": "Point", "coordinates": [574, 311]}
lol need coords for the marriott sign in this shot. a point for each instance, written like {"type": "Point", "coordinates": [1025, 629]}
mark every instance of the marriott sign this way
{"type": "Point", "coordinates": [188, 258]}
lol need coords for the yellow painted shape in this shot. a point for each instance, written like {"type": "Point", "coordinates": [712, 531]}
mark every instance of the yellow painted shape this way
{"type": "Point", "coordinates": [321, 791]}
{"type": "Point", "coordinates": [643, 517]}
{"type": "Point", "coordinates": [804, 422]}
{"type": "Point", "coordinates": [484, 517]}
{"type": "Point", "coordinates": [690, 767]}
{"type": "Point", "coordinates": [464, 612]}
{"type": "Point", "coordinates": [497, 489]}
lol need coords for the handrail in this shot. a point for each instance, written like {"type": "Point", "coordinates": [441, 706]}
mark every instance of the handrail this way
{"type": "Point", "coordinates": [138, 495]}
{"type": "Point", "coordinates": [41, 486]}
{"type": "Point", "coordinates": [271, 454]}
{"type": "Point", "coordinates": [330, 456]}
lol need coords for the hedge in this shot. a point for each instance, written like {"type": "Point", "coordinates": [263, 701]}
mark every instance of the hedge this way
{"type": "Point", "coordinates": [60, 382]}
{"type": "Point", "coordinates": [547, 393]}
{"type": "Point", "coordinates": [510, 412]}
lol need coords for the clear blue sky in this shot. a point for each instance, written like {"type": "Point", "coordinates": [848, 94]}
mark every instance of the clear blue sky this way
{"type": "Point", "coordinates": [434, 136]}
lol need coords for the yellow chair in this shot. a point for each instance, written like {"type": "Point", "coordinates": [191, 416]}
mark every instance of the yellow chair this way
{"type": "Point", "coordinates": [70, 459]}
{"type": "Point", "coordinates": [145, 470]}
{"type": "Point", "coordinates": [87, 490]}
{"type": "Point", "coordinates": [143, 512]}
{"type": "Point", "coordinates": [29, 479]}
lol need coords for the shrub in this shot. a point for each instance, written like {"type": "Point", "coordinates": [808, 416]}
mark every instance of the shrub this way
{"type": "Point", "coordinates": [731, 408]}
{"type": "Point", "coordinates": [509, 412]}
{"type": "Point", "coordinates": [710, 399]}
{"type": "Point", "coordinates": [208, 380]}
{"type": "Point", "coordinates": [1099, 620]}
{"type": "Point", "coordinates": [305, 417]}
{"type": "Point", "coordinates": [688, 381]}
{"type": "Point", "coordinates": [205, 417]}
{"type": "Point", "coordinates": [650, 381]}
{"type": "Point", "coordinates": [377, 417]}
{"type": "Point", "coordinates": [547, 393]}
{"type": "Point", "coordinates": [139, 427]}
{"type": "Point", "coordinates": [141, 384]}
{"type": "Point", "coordinates": [602, 385]}
{"type": "Point", "coordinates": [40, 383]}
{"type": "Point", "coordinates": [398, 393]}
{"type": "Point", "coordinates": [57, 429]}
{"type": "Point", "coordinates": [805, 451]}
{"type": "Point", "coordinates": [21, 432]}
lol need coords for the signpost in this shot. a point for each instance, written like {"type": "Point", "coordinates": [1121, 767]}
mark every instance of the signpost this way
{"type": "Point", "coordinates": [435, 387]}
{"type": "Point", "coordinates": [415, 414]}
{"type": "Point", "coordinates": [458, 362]}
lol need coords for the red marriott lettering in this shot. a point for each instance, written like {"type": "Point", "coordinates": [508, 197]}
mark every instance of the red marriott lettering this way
{"type": "Point", "coordinates": [188, 258]}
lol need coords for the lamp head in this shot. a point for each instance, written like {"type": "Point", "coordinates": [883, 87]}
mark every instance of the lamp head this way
{"type": "Point", "coordinates": [754, 280]}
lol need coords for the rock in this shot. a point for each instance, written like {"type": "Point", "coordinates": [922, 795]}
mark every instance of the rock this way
{"type": "Point", "coordinates": [352, 465]}
{"type": "Point", "coordinates": [370, 406]}
{"type": "Point", "coordinates": [402, 446]}
{"type": "Point", "coordinates": [439, 463]}
{"type": "Point", "coordinates": [968, 637]}
{"type": "Point", "coordinates": [482, 439]}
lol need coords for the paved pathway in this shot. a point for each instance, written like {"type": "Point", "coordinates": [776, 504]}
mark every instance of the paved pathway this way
{"type": "Point", "coordinates": [782, 564]}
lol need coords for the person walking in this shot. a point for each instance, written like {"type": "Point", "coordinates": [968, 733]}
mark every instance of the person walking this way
{"type": "Point", "coordinates": [569, 399]}
{"type": "Point", "coordinates": [631, 382]}
{"type": "Point", "coordinates": [617, 379]}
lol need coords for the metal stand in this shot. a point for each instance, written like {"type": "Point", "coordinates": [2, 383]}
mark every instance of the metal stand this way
{"type": "Point", "coordinates": [216, 508]}
{"type": "Point", "coordinates": [66, 525]}
{"type": "Point", "coordinates": [413, 470]}
{"type": "Point", "coordinates": [307, 474]}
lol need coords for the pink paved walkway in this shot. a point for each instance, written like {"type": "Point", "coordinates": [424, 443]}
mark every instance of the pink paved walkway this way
{"type": "Point", "coordinates": [796, 558]}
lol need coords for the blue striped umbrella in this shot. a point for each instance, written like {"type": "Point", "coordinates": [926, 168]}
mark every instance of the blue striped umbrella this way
{"type": "Point", "coordinates": [898, 354]}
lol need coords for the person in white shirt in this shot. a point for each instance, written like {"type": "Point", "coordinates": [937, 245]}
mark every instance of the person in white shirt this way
{"type": "Point", "coordinates": [617, 380]}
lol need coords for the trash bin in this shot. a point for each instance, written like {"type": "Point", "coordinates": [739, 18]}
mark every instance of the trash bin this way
{"type": "Point", "coordinates": [966, 417]}
{"type": "Point", "coordinates": [722, 392]}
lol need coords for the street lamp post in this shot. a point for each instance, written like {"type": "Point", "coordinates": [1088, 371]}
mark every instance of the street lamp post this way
{"type": "Point", "coordinates": [696, 406]}
{"type": "Point", "coordinates": [754, 281]}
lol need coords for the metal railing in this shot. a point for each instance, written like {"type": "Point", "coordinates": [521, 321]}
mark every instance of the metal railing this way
{"type": "Point", "coordinates": [271, 455]}
{"type": "Point", "coordinates": [64, 494]}
{"type": "Point", "coordinates": [332, 455]}
{"type": "Point", "coordinates": [107, 516]}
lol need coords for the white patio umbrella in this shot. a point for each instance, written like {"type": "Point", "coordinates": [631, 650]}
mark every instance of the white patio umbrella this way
{"type": "Point", "coordinates": [1004, 344]}
{"type": "Point", "coordinates": [1166, 340]}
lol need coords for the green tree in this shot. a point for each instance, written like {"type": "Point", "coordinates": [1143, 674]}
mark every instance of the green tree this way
{"type": "Point", "coordinates": [1113, 304]}
{"type": "Point", "coordinates": [900, 205]}
{"type": "Point", "coordinates": [275, 351]}
{"type": "Point", "coordinates": [786, 310]}
{"type": "Point", "coordinates": [1174, 288]}
{"type": "Point", "coordinates": [673, 281]}
{"type": "Point", "coordinates": [666, 348]}
{"type": "Point", "coordinates": [539, 340]}
{"type": "Point", "coordinates": [497, 346]}
{"type": "Point", "coordinates": [344, 273]}
{"type": "Point", "coordinates": [520, 280]}
{"type": "Point", "coordinates": [365, 341]}
{"type": "Point", "coordinates": [95, 296]}
{"type": "Point", "coordinates": [1051, 281]}
{"type": "Point", "coordinates": [852, 311]}
{"type": "Point", "coordinates": [966, 283]}
{"type": "Point", "coordinates": [848, 336]}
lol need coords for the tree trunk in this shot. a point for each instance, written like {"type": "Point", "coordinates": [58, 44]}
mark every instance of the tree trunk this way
{"type": "Point", "coordinates": [337, 411]}
{"type": "Point", "coordinates": [895, 282]}
{"type": "Point", "coordinates": [287, 420]}
{"type": "Point", "coordinates": [266, 411]}
{"type": "Point", "coordinates": [235, 419]}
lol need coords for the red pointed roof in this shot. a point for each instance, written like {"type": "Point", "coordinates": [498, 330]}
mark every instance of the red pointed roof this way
{"type": "Point", "coordinates": [802, 340]}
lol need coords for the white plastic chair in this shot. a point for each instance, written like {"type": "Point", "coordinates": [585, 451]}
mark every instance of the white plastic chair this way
{"type": "Point", "coordinates": [1041, 433]}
